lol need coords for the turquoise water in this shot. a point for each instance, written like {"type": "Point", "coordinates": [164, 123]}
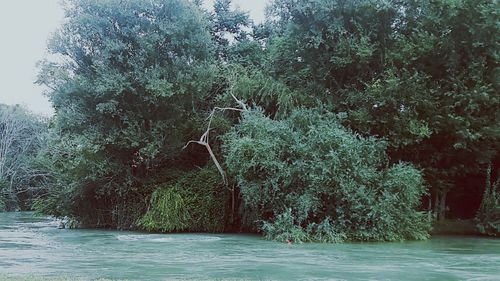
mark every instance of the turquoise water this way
{"type": "Point", "coordinates": [35, 246]}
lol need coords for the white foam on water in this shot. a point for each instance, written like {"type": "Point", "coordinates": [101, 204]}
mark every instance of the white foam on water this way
{"type": "Point", "coordinates": [198, 239]}
{"type": "Point", "coordinates": [165, 239]}
{"type": "Point", "coordinates": [130, 237]}
{"type": "Point", "coordinates": [173, 238]}
{"type": "Point", "coordinates": [195, 239]}
{"type": "Point", "coordinates": [51, 223]}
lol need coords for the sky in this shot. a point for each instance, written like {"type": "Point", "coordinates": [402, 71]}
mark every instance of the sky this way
{"type": "Point", "coordinates": [25, 27]}
{"type": "Point", "coordinates": [254, 7]}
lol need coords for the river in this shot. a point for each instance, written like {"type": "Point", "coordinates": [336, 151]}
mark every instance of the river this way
{"type": "Point", "coordinates": [34, 246]}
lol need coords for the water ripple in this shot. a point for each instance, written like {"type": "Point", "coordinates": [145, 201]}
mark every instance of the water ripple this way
{"type": "Point", "coordinates": [32, 245]}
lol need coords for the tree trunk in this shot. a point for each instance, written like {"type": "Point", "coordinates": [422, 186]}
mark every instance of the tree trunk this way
{"type": "Point", "coordinates": [436, 205]}
{"type": "Point", "coordinates": [429, 209]}
{"type": "Point", "coordinates": [442, 206]}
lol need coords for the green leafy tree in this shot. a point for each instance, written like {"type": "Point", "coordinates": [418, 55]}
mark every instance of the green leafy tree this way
{"type": "Point", "coordinates": [228, 26]}
{"type": "Point", "coordinates": [421, 74]}
{"type": "Point", "coordinates": [130, 78]}
{"type": "Point", "coordinates": [308, 178]}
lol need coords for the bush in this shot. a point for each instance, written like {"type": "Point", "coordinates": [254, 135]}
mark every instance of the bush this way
{"type": "Point", "coordinates": [488, 215]}
{"type": "Point", "coordinates": [285, 228]}
{"type": "Point", "coordinates": [195, 202]}
{"type": "Point", "coordinates": [310, 179]}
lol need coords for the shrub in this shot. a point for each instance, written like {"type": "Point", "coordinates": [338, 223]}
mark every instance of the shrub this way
{"type": "Point", "coordinates": [285, 228]}
{"type": "Point", "coordinates": [195, 202]}
{"type": "Point", "coordinates": [310, 179]}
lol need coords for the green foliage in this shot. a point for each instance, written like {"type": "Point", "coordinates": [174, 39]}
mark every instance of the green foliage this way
{"type": "Point", "coordinates": [228, 25]}
{"type": "Point", "coordinates": [424, 75]}
{"type": "Point", "coordinates": [168, 211]}
{"type": "Point", "coordinates": [488, 216]}
{"type": "Point", "coordinates": [197, 201]}
{"type": "Point", "coordinates": [309, 178]}
{"type": "Point", "coordinates": [285, 228]}
{"type": "Point", "coordinates": [256, 87]}
{"type": "Point", "coordinates": [131, 74]}
{"type": "Point", "coordinates": [417, 81]}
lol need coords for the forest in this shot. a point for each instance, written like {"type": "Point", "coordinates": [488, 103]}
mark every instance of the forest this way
{"type": "Point", "coordinates": [331, 121]}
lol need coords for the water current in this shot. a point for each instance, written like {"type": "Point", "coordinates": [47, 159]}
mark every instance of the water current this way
{"type": "Point", "coordinates": [34, 246]}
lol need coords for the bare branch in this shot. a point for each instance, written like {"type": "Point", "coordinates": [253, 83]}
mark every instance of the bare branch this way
{"type": "Point", "coordinates": [204, 137]}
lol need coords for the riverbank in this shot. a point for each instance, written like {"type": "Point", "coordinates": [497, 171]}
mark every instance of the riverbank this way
{"type": "Point", "coordinates": [455, 227]}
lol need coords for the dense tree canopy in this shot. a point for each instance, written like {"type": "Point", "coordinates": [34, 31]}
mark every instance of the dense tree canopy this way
{"type": "Point", "coordinates": [308, 171]}
{"type": "Point", "coordinates": [421, 74]}
{"type": "Point", "coordinates": [132, 75]}
{"type": "Point", "coordinates": [333, 120]}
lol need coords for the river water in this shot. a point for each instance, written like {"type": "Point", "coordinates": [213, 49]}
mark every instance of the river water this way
{"type": "Point", "coordinates": [34, 246]}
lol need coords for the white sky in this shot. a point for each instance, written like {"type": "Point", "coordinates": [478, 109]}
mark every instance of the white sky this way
{"type": "Point", "coordinates": [25, 26]}
{"type": "Point", "coordinates": [255, 7]}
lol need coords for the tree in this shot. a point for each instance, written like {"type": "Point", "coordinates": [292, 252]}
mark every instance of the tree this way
{"type": "Point", "coordinates": [308, 178]}
{"type": "Point", "coordinates": [132, 76]}
{"type": "Point", "coordinates": [380, 82]}
{"type": "Point", "coordinates": [228, 27]}
{"type": "Point", "coordinates": [21, 137]}
{"type": "Point", "coordinates": [423, 75]}
{"type": "Point", "coordinates": [488, 215]}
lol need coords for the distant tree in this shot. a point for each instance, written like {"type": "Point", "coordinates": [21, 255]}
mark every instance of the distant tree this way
{"type": "Point", "coordinates": [229, 26]}
{"type": "Point", "coordinates": [21, 137]}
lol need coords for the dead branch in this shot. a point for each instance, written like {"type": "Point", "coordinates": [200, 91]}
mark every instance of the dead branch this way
{"type": "Point", "coordinates": [204, 139]}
